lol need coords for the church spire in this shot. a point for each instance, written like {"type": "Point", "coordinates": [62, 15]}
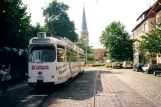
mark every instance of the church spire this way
{"type": "Point", "coordinates": [84, 30]}
{"type": "Point", "coordinates": [84, 22]}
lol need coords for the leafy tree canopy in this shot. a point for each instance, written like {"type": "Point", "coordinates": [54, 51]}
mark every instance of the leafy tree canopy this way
{"type": "Point", "coordinates": [15, 24]}
{"type": "Point", "coordinates": [117, 41]}
{"type": "Point", "coordinates": [62, 26]}
{"type": "Point", "coordinates": [152, 41]}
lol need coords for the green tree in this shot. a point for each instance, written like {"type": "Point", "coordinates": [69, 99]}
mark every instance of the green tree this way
{"type": "Point", "coordinates": [82, 46]}
{"type": "Point", "coordinates": [117, 42]}
{"type": "Point", "coordinates": [15, 24]}
{"type": "Point", "coordinates": [62, 27]}
{"type": "Point", "coordinates": [90, 57]}
{"type": "Point", "coordinates": [37, 28]}
{"type": "Point", "coordinates": [152, 41]}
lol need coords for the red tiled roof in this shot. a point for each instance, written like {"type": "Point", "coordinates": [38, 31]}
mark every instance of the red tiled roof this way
{"type": "Point", "coordinates": [154, 7]}
{"type": "Point", "coordinates": [151, 13]}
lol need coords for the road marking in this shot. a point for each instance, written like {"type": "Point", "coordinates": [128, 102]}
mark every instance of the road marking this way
{"type": "Point", "coordinates": [10, 89]}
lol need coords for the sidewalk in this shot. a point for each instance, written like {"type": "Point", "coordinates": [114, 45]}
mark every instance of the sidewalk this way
{"type": "Point", "coordinates": [16, 92]}
{"type": "Point", "coordinates": [14, 84]}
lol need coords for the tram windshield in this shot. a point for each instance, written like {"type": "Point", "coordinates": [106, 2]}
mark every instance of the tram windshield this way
{"type": "Point", "coordinates": [40, 54]}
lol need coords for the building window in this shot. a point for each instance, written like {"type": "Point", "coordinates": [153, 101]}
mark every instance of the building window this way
{"type": "Point", "coordinates": [158, 17]}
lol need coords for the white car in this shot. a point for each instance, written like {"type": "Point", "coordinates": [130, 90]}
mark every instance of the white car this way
{"type": "Point", "coordinates": [147, 68]}
{"type": "Point", "coordinates": [127, 64]}
{"type": "Point", "coordinates": [116, 65]}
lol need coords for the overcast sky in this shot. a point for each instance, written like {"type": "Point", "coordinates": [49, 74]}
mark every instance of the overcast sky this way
{"type": "Point", "coordinates": [99, 14]}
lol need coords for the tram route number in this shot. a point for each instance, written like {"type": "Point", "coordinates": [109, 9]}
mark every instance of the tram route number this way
{"type": "Point", "coordinates": [39, 77]}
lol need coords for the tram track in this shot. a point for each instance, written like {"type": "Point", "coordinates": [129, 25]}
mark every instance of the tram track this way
{"type": "Point", "coordinates": [105, 90]}
{"type": "Point", "coordinates": [37, 97]}
{"type": "Point", "coordinates": [112, 88]}
{"type": "Point", "coordinates": [143, 95]}
{"type": "Point", "coordinates": [139, 94]}
{"type": "Point", "coordinates": [33, 99]}
{"type": "Point", "coordinates": [95, 89]}
{"type": "Point", "coordinates": [17, 102]}
{"type": "Point", "coordinates": [14, 95]}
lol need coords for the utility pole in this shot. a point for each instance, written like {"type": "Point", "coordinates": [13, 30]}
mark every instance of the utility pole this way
{"type": "Point", "coordinates": [86, 49]}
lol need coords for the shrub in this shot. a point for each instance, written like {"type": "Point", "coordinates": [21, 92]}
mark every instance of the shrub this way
{"type": "Point", "coordinates": [108, 65]}
{"type": "Point", "coordinates": [89, 65]}
{"type": "Point", "coordinates": [95, 64]}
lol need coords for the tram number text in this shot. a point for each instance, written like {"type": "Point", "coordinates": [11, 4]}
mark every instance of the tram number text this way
{"type": "Point", "coordinates": [40, 77]}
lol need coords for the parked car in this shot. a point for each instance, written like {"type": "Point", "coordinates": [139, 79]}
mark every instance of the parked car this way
{"type": "Point", "coordinates": [116, 65]}
{"type": "Point", "coordinates": [157, 69]}
{"type": "Point", "coordinates": [148, 68]}
{"type": "Point", "coordinates": [138, 67]}
{"type": "Point", "coordinates": [127, 64]}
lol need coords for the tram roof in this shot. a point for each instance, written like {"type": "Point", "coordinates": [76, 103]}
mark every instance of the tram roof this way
{"type": "Point", "coordinates": [52, 40]}
{"type": "Point", "coordinates": [56, 40]}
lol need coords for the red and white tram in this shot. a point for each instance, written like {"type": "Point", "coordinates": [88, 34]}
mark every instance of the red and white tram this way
{"type": "Point", "coordinates": [53, 60]}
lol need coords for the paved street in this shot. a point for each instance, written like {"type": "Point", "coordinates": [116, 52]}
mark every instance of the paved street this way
{"type": "Point", "coordinates": [97, 87]}
{"type": "Point", "coordinates": [146, 84]}
{"type": "Point", "coordinates": [112, 90]}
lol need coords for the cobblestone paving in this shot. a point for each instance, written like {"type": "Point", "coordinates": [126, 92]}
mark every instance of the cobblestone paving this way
{"type": "Point", "coordinates": [106, 97]}
{"type": "Point", "coordinates": [78, 93]}
{"type": "Point", "coordinates": [111, 91]}
{"type": "Point", "coordinates": [118, 94]}
{"type": "Point", "coordinates": [146, 84]}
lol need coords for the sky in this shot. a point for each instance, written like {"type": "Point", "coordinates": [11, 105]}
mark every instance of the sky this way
{"type": "Point", "coordinates": [98, 14]}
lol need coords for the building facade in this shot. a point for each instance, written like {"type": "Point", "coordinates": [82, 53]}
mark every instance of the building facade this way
{"type": "Point", "coordinates": [156, 12]}
{"type": "Point", "coordinates": [144, 25]}
{"type": "Point", "coordinates": [99, 53]}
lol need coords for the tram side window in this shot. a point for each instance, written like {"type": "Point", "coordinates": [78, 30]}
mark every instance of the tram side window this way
{"type": "Point", "coordinates": [82, 58]}
{"type": "Point", "coordinates": [61, 53]}
{"type": "Point", "coordinates": [68, 55]}
{"type": "Point", "coordinates": [74, 57]}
